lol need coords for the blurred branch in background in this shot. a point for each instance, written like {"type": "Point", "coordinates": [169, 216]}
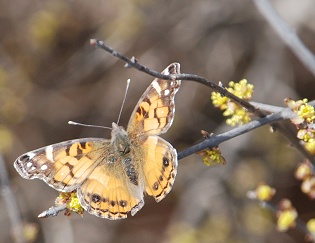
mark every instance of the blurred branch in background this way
{"type": "Point", "coordinates": [287, 34]}
{"type": "Point", "coordinates": [11, 204]}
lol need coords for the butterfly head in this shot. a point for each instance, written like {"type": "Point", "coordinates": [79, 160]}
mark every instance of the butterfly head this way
{"type": "Point", "coordinates": [120, 139]}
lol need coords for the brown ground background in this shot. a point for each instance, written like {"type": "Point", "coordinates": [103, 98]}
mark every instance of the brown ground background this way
{"type": "Point", "coordinates": [49, 74]}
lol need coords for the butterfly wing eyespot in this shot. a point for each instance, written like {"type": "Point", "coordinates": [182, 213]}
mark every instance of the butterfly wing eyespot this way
{"type": "Point", "coordinates": [154, 113]}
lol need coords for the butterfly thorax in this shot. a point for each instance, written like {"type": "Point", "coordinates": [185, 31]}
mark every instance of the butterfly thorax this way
{"type": "Point", "coordinates": [120, 139]}
{"type": "Point", "coordinates": [121, 143]}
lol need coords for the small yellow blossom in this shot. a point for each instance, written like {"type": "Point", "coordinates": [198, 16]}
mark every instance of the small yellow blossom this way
{"type": "Point", "coordinates": [286, 216]}
{"type": "Point", "coordinates": [311, 225]}
{"type": "Point", "coordinates": [286, 219]}
{"type": "Point", "coordinates": [72, 202]}
{"type": "Point", "coordinates": [218, 100]}
{"type": "Point", "coordinates": [305, 112]}
{"type": "Point", "coordinates": [307, 135]}
{"type": "Point", "coordinates": [239, 117]}
{"type": "Point", "coordinates": [310, 147]}
{"type": "Point", "coordinates": [212, 157]}
{"type": "Point", "coordinates": [308, 187]}
{"type": "Point", "coordinates": [303, 171]}
{"type": "Point", "coordinates": [265, 192]}
{"type": "Point", "coordinates": [241, 89]}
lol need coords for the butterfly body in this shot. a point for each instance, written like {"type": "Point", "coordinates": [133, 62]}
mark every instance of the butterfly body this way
{"type": "Point", "coordinates": [110, 175]}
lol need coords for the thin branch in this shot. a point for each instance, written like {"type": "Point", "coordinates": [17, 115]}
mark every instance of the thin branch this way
{"type": "Point", "coordinates": [287, 34]}
{"type": "Point", "coordinates": [215, 140]}
{"type": "Point", "coordinates": [193, 77]}
{"type": "Point", "coordinates": [11, 204]}
{"type": "Point", "coordinates": [53, 211]}
{"type": "Point", "coordinates": [272, 119]}
{"type": "Point", "coordinates": [267, 108]}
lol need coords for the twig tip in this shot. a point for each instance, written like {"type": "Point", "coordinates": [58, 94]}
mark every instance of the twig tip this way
{"type": "Point", "coordinates": [93, 42]}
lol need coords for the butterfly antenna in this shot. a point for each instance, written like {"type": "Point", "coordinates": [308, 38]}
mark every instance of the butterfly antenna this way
{"type": "Point", "coordinates": [87, 125]}
{"type": "Point", "coordinates": [123, 103]}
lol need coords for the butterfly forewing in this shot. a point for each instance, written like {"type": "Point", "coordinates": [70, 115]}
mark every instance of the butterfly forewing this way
{"type": "Point", "coordinates": [63, 166]}
{"type": "Point", "coordinates": [155, 110]}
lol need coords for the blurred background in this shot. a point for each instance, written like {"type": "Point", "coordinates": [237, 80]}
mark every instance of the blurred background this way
{"type": "Point", "coordinates": [49, 74]}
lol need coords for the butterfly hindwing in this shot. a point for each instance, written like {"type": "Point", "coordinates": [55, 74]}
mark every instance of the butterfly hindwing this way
{"type": "Point", "coordinates": [109, 196]}
{"type": "Point", "coordinates": [160, 167]}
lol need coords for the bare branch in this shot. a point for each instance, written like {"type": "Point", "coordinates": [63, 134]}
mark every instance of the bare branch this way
{"type": "Point", "coordinates": [216, 140]}
{"type": "Point", "coordinates": [53, 211]}
{"type": "Point", "coordinates": [192, 77]}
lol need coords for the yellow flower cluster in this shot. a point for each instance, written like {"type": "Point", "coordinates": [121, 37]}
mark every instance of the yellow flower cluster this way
{"type": "Point", "coordinates": [286, 219]}
{"type": "Point", "coordinates": [307, 135]}
{"type": "Point", "coordinates": [212, 157]}
{"type": "Point", "coordinates": [287, 215]}
{"type": "Point", "coordinates": [238, 115]}
{"type": "Point", "coordinates": [265, 192]}
{"type": "Point", "coordinates": [304, 121]}
{"type": "Point", "coordinates": [305, 112]}
{"type": "Point", "coordinates": [310, 147]}
{"type": "Point", "coordinates": [311, 225]}
{"type": "Point", "coordinates": [241, 89]}
{"type": "Point", "coordinates": [72, 202]}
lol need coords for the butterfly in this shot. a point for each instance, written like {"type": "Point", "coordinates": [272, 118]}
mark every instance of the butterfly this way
{"type": "Point", "coordinates": [110, 176]}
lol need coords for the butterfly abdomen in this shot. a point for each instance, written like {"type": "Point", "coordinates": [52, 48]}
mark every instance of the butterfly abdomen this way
{"type": "Point", "coordinates": [130, 170]}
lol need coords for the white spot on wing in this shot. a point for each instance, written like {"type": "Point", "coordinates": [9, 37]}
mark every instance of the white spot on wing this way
{"type": "Point", "coordinates": [44, 167]}
{"type": "Point", "coordinates": [49, 153]}
{"type": "Point", "coordinates": [157, 87]}
{"type": "Point", "coordinates": [30, 155]}
{"type": "Point", "coordinates": [166, 92]}
{"type": "Point", "coordinates": [29, 164]}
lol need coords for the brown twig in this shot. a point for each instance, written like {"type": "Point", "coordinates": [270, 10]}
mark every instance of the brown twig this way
{"type": "Point", "coordinates": [53, 211]}
{"type": "Point", "coordinates": [218, 88]}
